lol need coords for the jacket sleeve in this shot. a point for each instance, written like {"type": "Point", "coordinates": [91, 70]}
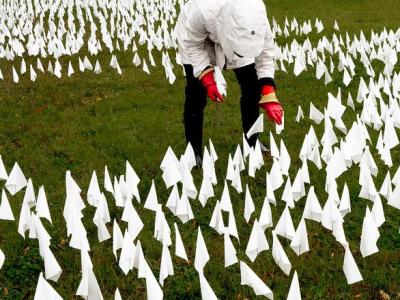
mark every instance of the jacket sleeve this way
{"type": "Point", "coordinates": [265, 61]}
{"type": "Point", "coordinates": [194, 42]}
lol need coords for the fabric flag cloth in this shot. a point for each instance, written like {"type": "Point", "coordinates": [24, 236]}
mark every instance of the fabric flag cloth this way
{"type": "Point", "coordinates": [44, 291]}
{"type": "Point", "coordinates": [42, 207]}
{"type": "Point", "coordinates": [279, 255]}
{"type": "Point", "coordinates": [294, 291]}
{"type": "Point", "coordinates": [299, 242]}
{"type": "Point", "coordinates": [2, 259]}
{"type": "Point", "coordinates": [248, 277]}
{"type": "Point", "coordinates": [166, 268]}
{"type": "Point", "coordinates": [350, 267]}
{"type": "Point", "coordinates": [3, 171]}
{"type": "Point", "coordinates": [117, 295]}
{"type": "Point", "coordinates": [257, 242]}
{"type": "Point", "coordinates": [5, 208]}
{"type": "Point", "coordinates": [179, 247]}
{"type": "Point", "coordinates": [257, 127]}
{"type": "Point", "coordinates": [127, 256]}
{"type": "Point", "coordinates": [207, 292]}
{"type": "Point", "coordinates": [201, 256]}
{"type": "Point", "coordinates": [369, 235]}
{"type": "Point", "coordinates": [151, 202]}
{"type": "Point", "coordinates": [88, 287]}
{"type": "Point", "coordinates": [249, 207]}
{"type": "Point", "coordinates": [171, 168]}
{"type": "Point", "coordinates": [230, 251]}
{"type": "Point", "coordinates": [93, 194]}
{"type": "Point", "coordinates": [16, 180]}
{"type": "Point", "coordinates": [117, 238]}
{"type": "Point", "coordinates": [285, 226]}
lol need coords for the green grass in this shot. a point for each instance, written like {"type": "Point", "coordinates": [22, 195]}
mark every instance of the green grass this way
{"type": "Point", "coordinates": [88, 121]}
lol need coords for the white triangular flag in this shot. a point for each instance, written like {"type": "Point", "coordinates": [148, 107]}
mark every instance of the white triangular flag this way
{"type": "Point", "coordinates": [257, 242]}
{"type": "Point", "coordinates": [5, 208]}
{"type": "Point", "coordinates": [52, 268]}
{"type": "Point", "coordinates": [287, 195]}
{"type": "Point", "coordinates": [350, 267]}
{"type": "Point", "coordinates": [145, 67]}
{"type": "Point", "coordinates": [257, 127]}
{"type": "Point", "coordinates": [300, 114]}
{"type": "Point", "coordinates": [171, 168]}
{"type": "Point", "coordinates": [117, 238]}
{"type": "Point", "coordinates": [206, 190]}
{"type": "Point", "coordinates": [299, 242]}
{"type": "Point", "coordinates": [154, 291]}
{"type": "Point", "coordinates": [16, 180]}
{"type": "Point", "coordinates": [15, 75]}
{"type": "Point", "coordinates": [201, 256]}
{"type": "Point", "coordinates": [45, 291]}
{"type": "Point", "coordinates": [3, 171]}
{"type": "Point", "coordinates": [294, 291]}
{"type": "Point", "coordinates": [136, 60]}
{"type": "Point", "coordinates": [33, 74]}
{"type": "Point", "coordinates": [42, 208]}
{"type": "Point", "coordinates": [377, 211]}
{"type": "Point", "coordinates": [179, 247]}
{"type": "Point", "coordinates": [151, 200]}
{"type": "Point", "coordinates": [184, 209]}
{"type": "Point", "coordinates": [369, 235]}
{"type": "Point", "coordinates": [130, 215]}
{"type": "Point", "coordinates": [350, 102]}
{"type": "Point", "coordinates": [230, 251]}
{"type": "Point", "coordinates": [166, 268]}
{"type": "Point", "coordinates": [97, 67]}
{"type": "Point", "coordinates": [315, 114]}
{"type": "Point", "coordinates": [345, 206]}
{"type": "Point", "coordinates": [249, 207]}
{"type": "Point", "coordinates": [117, 295]}
{"type": "Point", "coordinates": [285, 227]}
{"type": "Point", "coordinates": [279, 255]}
{"type": "Point", "coordinates": [94, 193]}
{"type": "Point", "coordinates": [70, 69]}
{"type": "Point", "coordinates": [312, 208]}
{"type": "Point", "coordinates": [107, 181]}
{"type": "Point", "coordinates": [2, 259]}
{"type": "Point", "coordinates": [248, 277]}
{"type": "Point", "coordinates": [173, 199]}
{"type": "Point", "coordinates": [217, 221]}
{"type": "Point", "coordinates": [127, 257]}
{"type": "Point", "coordinates": [266, 215]}
{"type": "Point", "coordinates": [207, 292]}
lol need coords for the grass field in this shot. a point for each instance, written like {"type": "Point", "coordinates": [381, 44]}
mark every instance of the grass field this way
{"type": "Point", "coordinates": [88, 121]}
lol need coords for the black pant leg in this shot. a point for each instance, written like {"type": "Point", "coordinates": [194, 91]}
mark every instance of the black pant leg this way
{"type": "Point", "coordinates": [250, 96]}
{"type": "Point", "coordinates": [195, 102]}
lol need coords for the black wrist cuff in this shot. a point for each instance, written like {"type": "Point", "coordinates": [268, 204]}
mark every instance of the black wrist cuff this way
{"type": "Point", "coordinates": [267, 81]}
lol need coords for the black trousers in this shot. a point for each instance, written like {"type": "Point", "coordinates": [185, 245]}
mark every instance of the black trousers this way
{"type": "Point", "coordinates": [196, 100]}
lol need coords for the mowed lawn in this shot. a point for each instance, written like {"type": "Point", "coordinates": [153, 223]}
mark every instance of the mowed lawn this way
{"type": "Point", "coordinates": [88, 121]}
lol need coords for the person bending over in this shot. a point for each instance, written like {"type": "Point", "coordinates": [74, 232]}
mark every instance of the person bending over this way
{"type": "Point", "coordinates": [231, 34]}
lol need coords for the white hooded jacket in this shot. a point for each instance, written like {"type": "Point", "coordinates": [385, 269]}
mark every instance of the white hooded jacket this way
{"type": "Point", "coordinates": [213, 32]}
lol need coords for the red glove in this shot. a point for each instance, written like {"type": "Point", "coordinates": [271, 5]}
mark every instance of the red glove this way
{"type": "Point", "coordinates": [208, 82]}
{"type": "Point", "coordinates": [272, 107]}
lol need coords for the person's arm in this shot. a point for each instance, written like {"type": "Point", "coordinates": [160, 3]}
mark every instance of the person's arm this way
{"type": "Point", "coordinates": [193, 42]}
{"type": "Point", "coordinates": [265, 60]}
{"type": "Point", "coordinates": [266, 71]}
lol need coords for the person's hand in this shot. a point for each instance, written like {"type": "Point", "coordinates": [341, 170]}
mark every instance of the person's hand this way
{"type": "Point", "coordinates": [271, 105]}
{"type": "Point", "coordinates": [209, 83]}
{"type": "Point", "coordinates": [274, 111]}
